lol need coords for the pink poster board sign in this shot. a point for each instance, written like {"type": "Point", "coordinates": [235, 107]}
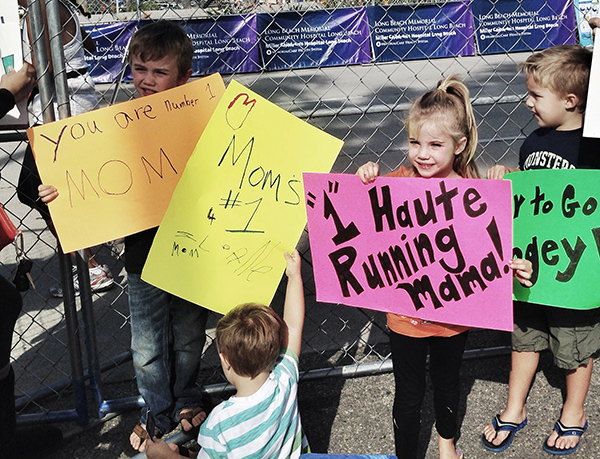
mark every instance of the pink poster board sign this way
{"type": "Point", "coordinates": [433, 249]}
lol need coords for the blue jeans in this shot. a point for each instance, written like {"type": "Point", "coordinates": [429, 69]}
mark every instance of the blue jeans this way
{"type": "Point", "coordinates": [167, 339]}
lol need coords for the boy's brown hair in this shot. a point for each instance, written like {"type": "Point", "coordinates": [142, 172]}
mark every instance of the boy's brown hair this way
{"type": "Point", "coordinates": [251, 337]}
{"type": "Point", "coordinates": [160, 39]}
{"type": "Point", "coordinates": [563, 69]}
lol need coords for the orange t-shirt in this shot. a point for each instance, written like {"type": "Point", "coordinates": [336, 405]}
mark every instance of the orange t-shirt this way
{"type": "Point", "coordinates": [409, 326]}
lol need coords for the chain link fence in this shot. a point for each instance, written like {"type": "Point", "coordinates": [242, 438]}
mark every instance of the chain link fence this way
{"type": "Point", "coordinates": [361, 104]}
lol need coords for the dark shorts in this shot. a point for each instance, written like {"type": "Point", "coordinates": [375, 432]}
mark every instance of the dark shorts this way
{"type": "Point", "coordinates": [572, 336]}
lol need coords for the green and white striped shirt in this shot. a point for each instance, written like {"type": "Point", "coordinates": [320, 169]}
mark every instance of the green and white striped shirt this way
{"type": "Point", "coordinates": [263, 425]}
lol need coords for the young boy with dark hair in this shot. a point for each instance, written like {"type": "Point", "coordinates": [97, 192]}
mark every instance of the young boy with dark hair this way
{"type": "Point", "coordinates": [167, 332]}
{"type": "Point", "coordinates": [259, 356]}
{"type": "Point", "coordinates": [557, 82]}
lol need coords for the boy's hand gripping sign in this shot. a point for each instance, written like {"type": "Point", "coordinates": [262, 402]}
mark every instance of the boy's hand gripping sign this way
{"type": "Point", "coordinates": [433, 249]}
{"type": "Point", "coordinates": [239, 204]}
{"type": "Point", "coordinates": [557, 228]}
{"type": "Point", "coordinates": [115, 168]}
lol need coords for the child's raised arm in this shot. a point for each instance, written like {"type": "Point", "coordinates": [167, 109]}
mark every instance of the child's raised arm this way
{"type": "Point", "coordinates": [522, 271]}
{"type": "Point", "coordinates": [293, 309]}
{"type": "Point", "coordinates": [368, 172]}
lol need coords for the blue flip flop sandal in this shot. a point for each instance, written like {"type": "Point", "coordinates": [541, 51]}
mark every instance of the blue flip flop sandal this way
{"type": "Point", "coordinates": [563, 431]}
{"type": "Point", "coordinates": [499, 425]}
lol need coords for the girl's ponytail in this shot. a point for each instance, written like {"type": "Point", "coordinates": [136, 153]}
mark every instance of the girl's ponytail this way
{"type": "Point", "coordinates": [450, 102]}
{"type": "Point", "coordinates": [464, 163]}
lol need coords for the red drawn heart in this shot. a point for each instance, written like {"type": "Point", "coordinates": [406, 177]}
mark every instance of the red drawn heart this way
{"type": "Point", "coordinates": [238, 110]}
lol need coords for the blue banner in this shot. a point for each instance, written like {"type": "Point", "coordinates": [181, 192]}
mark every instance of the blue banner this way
{"type": "Point", "coordinates": [522, 25]}
{"type": "Point", "coordinates": [228, 44]}
{"type": "Point", "coordinates": [111, 44]}
{"type": "Point", "coordinates": [423, 32]}
{"type": "Point", "coordinates": [323, 38]}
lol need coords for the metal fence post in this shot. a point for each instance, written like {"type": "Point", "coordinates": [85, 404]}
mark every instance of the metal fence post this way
{"type": "Point", "coordinates": [42, 61]}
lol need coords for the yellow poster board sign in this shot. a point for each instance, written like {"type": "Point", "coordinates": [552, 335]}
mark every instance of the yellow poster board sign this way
{"type": "Point", "coordinates": [239, 204]}
{"type": "Point", "coordinates": [115, 168]}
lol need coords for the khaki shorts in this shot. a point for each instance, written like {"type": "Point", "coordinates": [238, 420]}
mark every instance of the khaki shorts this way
{"type": "Point", "coordinates": [573, 336]}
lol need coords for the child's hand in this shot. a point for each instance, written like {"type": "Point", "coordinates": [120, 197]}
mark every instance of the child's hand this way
{"type": "Point", "coordinates": [47, 193]}
{"type": "Point", "coordinates": [368, 172]}
{"type": "Point", "coordinates": [522, 270]}
{"type": "Point", "coordinates": [293, 263]}
{"type": "Point", "coordinates": [497, 172]}
{"type": "Point", "coordinates": [159, 449]}
{"type": "Point", "coordinates": [594, 24]}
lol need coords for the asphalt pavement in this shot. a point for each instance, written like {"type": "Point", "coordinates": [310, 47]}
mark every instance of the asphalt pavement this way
{"type": "Point", "coordinates": [352, 415]}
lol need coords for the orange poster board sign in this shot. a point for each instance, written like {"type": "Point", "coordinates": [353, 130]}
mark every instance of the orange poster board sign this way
{"type": "Point", "coordinates": [115, 168]}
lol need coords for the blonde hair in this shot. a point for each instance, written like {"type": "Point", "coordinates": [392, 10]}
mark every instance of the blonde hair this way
{"type": "Point", "coordinates": [251, 337]}
{"type": "Point", "coordinates": [563, 69]}
{"type": "Point", "coordinates": [450, 103]}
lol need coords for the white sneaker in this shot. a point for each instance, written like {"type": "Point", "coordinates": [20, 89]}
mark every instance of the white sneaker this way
{"type": "Point", "coordinates": [101, 279]}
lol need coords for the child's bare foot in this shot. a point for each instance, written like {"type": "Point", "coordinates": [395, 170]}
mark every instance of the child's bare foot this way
{"type": "Point", "coordinates": [498, 435]}
{"type": "Point", "coordinates": [447, 449]}
{"type": "Point", "coordinates": [567, 433]}
{"type": "Point", "coordinates": [138, 436]}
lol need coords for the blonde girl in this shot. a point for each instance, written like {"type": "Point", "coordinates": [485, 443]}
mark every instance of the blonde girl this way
{"type": "Point", "coordinates": [442, 136]}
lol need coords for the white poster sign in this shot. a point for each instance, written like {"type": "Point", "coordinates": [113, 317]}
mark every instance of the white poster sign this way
{"type": "Point", "coordinates": [591, 124]}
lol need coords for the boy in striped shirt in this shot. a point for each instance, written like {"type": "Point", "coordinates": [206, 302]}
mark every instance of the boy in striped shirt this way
{"type": "Point", "coordinates": [259, 355]}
